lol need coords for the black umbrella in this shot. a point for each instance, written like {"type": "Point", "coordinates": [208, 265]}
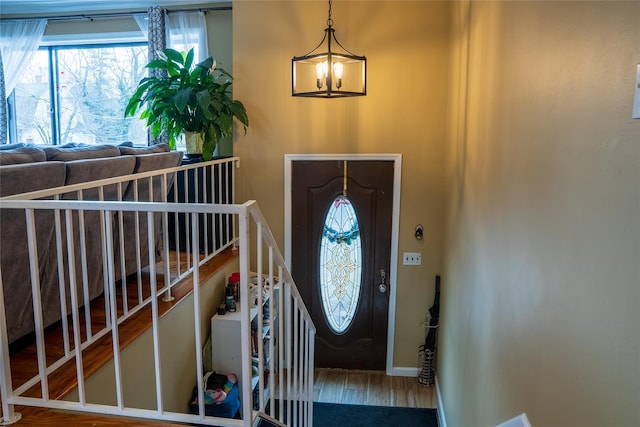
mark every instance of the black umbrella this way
{"type": "Point", "coordinates": [434, 311]}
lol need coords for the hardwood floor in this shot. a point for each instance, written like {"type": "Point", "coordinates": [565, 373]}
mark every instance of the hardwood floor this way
{"type": "Point", "coordinates": [371, 388]}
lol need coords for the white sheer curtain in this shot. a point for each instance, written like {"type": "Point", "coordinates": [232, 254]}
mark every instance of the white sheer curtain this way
{"type": "Point", "coordinates": [186, 30]}
{"type": "Point", "coordinates": [19, 41]}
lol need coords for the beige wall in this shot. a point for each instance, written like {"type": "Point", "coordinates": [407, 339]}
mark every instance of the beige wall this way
{"type": "Point", "coordinates": [406, 44]}
{"type": "Point", "coordinates": [178, 368]}
{"type": "Point", "coordinates": [542, 279]}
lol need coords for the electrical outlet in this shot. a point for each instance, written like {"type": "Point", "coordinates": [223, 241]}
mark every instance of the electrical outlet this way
{"type": "Point", "coordinates": [412, 258]}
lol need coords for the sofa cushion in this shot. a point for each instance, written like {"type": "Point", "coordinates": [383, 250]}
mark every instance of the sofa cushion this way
{"type": "Point", "coordinates": [155, 161]}
{"type": "Point", "coordinates": [73, 151]}
{"type": "Point", "coordinates": [86, 170]}
{"type": "Point", "coordinates": [23, 178]}
{"type": "Point", "coordinates": [21, 153]}
{"type": "Point", "coordinates": [148, 163]}
{"type": "Point", "coordinates": [134, 151]}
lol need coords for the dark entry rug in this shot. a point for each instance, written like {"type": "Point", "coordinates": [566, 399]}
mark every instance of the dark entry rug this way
{"type": "Point", "coordinates": [333, 414]}
{"type": "Point", "coordinates": [330, 414]}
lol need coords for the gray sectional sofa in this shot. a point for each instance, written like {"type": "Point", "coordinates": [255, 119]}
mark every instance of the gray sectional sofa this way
{"type": "Point", "coordinates": [25, 168]}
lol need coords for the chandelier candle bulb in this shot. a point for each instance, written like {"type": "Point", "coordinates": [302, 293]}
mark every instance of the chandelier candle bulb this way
{"type": "Point", "coordinates": [338, 68]}
{"type": "Point", "coordinates": [319, 75]}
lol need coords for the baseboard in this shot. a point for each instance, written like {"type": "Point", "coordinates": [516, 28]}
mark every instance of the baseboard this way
{"type": "Point", "coordinates": [398, 371]}
{"type": "Point", "coordinates": [442, 420]}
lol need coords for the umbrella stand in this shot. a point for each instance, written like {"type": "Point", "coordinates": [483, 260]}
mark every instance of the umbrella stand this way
{"type": "Point", "coordinates": [427, 364]}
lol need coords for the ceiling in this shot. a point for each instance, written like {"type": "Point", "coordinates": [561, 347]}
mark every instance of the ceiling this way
{"type": "Point", "coordinates": [21, 7]}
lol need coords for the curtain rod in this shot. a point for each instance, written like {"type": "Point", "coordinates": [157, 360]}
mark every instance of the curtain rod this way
{"type": "Point", "coordinates": [92, 16]}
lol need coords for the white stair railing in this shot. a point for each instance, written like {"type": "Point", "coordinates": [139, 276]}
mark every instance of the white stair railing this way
{"type": "Point", "coordinates": [287, 397]}
{"type": "Point", "coordinates": [286, 394]}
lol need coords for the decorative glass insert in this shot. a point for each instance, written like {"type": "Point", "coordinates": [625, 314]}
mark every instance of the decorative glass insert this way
{"type": "Point", "coordinates": [340, 264]}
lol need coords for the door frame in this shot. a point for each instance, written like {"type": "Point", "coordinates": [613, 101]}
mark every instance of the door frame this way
{"type": "Point", "coordinates": [395, 225]}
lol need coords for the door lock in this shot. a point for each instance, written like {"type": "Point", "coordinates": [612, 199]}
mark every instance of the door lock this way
{"type": "Point", "coordinates": [383, 286]}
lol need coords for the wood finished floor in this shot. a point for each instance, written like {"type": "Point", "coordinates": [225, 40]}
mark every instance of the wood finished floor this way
{"type": "Point", "coordinates": [370, 388]}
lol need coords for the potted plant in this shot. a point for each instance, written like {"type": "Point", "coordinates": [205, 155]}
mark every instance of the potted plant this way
{"type": "Point", "coordinates": [190, 99]}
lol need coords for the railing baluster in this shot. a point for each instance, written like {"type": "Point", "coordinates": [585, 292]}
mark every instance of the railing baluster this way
{"type": "Point", "coordinates": [196, 315]}
{"type": "Point", "coordinates": [165, 241]}
{"type": "Point", "coordinates": [61, 282]}
{"type": "Point", "coordinates": [75, 315]}
{"type": "Point", "coordinates": [113, 312]}
{"type": "Point", "coordinates": [105, 273]}
{"type": "Point", "coordinates": [220, 193]}
{"type": "Point", "coordinates": [245, 320]}
{"type": "Point", "coordinates": [37, 301]}
{"type": "Point", "coordinates": [295, 362]}
{"type": "Point", "coordinates": [272, 334]}
{"type": "Point", "coordinates": [123, 267]}
{"type": "Point", "coordinates": [83, 267]}
{"type": "Point", "coordinates": [154, 314]}
{"type": "Point", "coordinates": [260, 329]}
{"type": "Point", "coordinates": [138, 236]}
{"type": "Point", "coordinates": [205, 200]}
{"type": "Point", "coordinates": [187, 219]}
{"type": "Point", "coordinates": [310, 355]}
{"type": "Point", "coordinates": [6, 386]}
{"type": "Point", "coordinates": [281, 343]}
{"type": "Point", "coordinates": [176, 223]}
{"type": "Point", "coordinates": [233, 200]}
{"type": "Point", "coordinates": [308, 374]}
{"type": "Point", "coordinates": [288, 344]}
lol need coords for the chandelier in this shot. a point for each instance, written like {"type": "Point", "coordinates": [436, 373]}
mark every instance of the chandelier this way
{"type": "Point", "coordinates": [330, 74]}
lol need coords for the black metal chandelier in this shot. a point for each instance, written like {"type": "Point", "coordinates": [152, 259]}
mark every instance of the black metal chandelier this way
{"type": "Point", "coordinates": [330, 74]}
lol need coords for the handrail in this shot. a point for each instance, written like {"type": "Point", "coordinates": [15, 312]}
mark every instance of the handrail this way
{"type": "Point", "coordinates": [288, 355]}
{"type": "Point", "coordinates": [256, 212]}
{"type": "Point", "coordinates": [115, 180]}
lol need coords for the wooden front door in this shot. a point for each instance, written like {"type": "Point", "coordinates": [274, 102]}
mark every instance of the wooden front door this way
{"type": "Point", "coordinates": [357, 340]}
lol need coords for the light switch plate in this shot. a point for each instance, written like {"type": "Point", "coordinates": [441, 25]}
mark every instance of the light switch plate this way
{"type": "Point", "coordinates": [411, 258]}
{"type": "Point", "coordinates": [636, 99]}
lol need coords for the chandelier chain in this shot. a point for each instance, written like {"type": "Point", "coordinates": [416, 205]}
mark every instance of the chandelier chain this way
{"type": "Point", "coordinates": [344, 178]}
{"type": "Point", "coordinates": [329, 20]}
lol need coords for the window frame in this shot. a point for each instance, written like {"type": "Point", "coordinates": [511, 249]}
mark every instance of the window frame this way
{"type": "Point", "coordinates": [66, 43]}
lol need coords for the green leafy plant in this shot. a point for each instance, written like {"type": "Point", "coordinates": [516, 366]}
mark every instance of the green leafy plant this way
{"type": "Point", "coordinates": [187, 98]}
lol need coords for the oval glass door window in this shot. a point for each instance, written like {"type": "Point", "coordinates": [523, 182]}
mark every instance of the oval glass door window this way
{"type": "Point", "coordinates": [340, 264]}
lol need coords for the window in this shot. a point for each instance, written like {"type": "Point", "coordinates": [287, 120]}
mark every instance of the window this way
{"type": "Point", "coordinates": [340, 264]}
{"type": "Point", "coordinates": [77, 94]}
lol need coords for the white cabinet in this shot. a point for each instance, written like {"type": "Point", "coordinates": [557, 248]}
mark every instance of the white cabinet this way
{"type": "Point", "coordinates": [226, 346]}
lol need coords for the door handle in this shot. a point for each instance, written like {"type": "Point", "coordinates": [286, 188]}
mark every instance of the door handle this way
{"type": "Point", "coordinates": [382, 287]}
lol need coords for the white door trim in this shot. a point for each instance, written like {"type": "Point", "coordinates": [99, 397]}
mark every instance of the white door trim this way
{"type": "Point", "coordinates": [395, 225]}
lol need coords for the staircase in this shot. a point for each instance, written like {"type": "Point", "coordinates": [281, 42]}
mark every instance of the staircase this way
{"type": "Point", "coordinates": [291, 355]}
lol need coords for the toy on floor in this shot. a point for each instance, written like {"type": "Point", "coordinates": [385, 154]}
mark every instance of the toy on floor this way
{"type": "Point", "coordinates": [216, 387]}
{"type": "Point", "coordinates": [220, 396]}
{"type": "Point", "coordinates": [231, 380]}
